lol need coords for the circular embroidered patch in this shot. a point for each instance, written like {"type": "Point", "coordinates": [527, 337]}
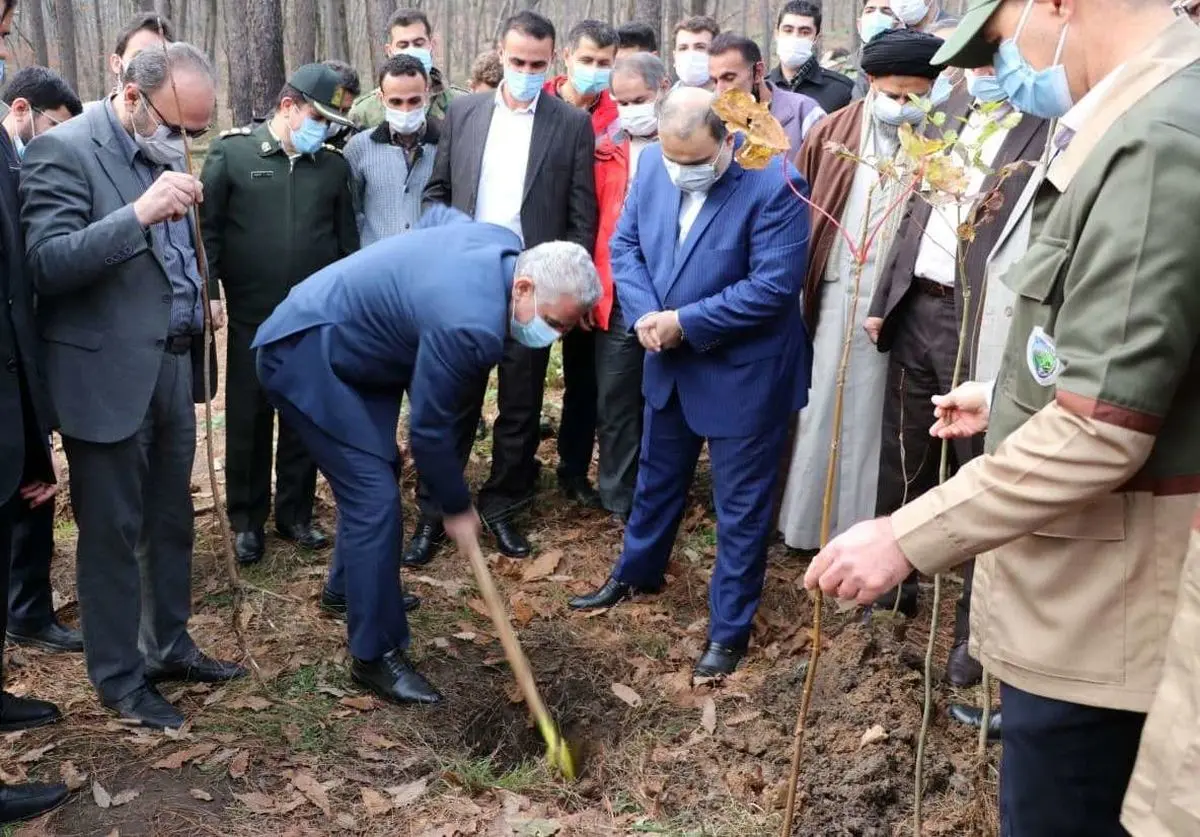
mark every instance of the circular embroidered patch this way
{"type": "Point", "coordinates": [1042, 357]}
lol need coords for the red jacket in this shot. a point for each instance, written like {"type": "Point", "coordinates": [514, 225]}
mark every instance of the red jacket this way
{"type": "Point", "coordinates": [612, 179]}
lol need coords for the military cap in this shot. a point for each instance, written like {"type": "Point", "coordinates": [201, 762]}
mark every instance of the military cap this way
{"type": "Point", "coordinates": [322, 87]}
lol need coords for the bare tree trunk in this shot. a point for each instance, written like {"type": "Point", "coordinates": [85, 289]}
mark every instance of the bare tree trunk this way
{"type": "Point", "coordinates": [101, 66]}
{"type": "Point", "coordinates": [674, 13]}
{"type": "Point", "coordinates": [264, 30]}
{"type": "Point", "coordinates": [35, 17]}
{"type": "Point", "coordinates": [447, 51]}
{"type": "Point", "coordinates": [180, 19]}
{"type": "Point", "coordinates": [698, 7]}
{"type": "Point", "coordinates": [304, 32]}
{"type": "Point", "coordinates": [768, 30]}
{"type": "Point", "coordinates": [211, 17]}
{"type": "Point", "coordinates": [64, 15]}
{"type": "Point", "coordinates": [650, 12]}
{"type": "Point", "coordinates": [146, 5]}
{"type": "Point", "coordinates": [337, 40]}
{"type": "Point", "coordinates": [166, 8]}
{"type": "Point", "coordinates": [237, 52]}
{"type": "Point", "coordinates": [379, 12]}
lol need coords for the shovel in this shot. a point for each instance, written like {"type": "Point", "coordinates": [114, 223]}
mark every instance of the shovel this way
{"type": "Point", "coordinates": [558, 751]}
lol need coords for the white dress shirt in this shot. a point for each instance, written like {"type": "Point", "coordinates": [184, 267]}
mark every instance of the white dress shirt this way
{"type": "Point", "coordinates": [505, 160]}
{"type": "Point", "coordinates": [689, 207]}
{"type": "Point", "coordinates": [937, 256]}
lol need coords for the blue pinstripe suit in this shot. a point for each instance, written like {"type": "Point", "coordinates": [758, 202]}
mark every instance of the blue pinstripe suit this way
{"type": "Point", "coordinates": [743, 367]}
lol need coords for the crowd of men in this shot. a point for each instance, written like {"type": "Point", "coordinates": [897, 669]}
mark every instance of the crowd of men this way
{"type": "Point", "coordinates": [361, 249]}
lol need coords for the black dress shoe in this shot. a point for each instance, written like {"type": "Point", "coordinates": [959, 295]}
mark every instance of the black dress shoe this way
{"type": "Point", "coordinates": [303, 535]}
{"type": "Point", "coordinates": [972, 716]}
{"type": "Point", "coordinates": [963, 670]}
{"type": "Point", "coordinates": [424, 543]}
{"type": "Point", "coordinates": [249, 546]}
{"type": "Point", "coordinates": [393, 678]}
{"type": "Point", "coordinates": [579, 491]}
{"type": "Point", "coordinates": [196, 667]}
{"type": "Point", "coordinates": [25, 713]}
{"type": "Point", "coordinates": [28, 801]}
{"type": "Point", "coordinates": [908, 600]}
{"type": "Point", "coordinates": [609, 595]}
{"type": "Point", "coordinates": [717, 661]}
{"type": "Point", "coordinates": [335, 603]}
{"type": "Point", "coordinates": [148, 707]}
{"type": "Point", "coordinates": [55, 637]}
{"type": "Point", "coordinates": [509, 539]}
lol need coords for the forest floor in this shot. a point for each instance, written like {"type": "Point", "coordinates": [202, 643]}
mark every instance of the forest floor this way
{"type": "Point", "coordinates": [314, 755]}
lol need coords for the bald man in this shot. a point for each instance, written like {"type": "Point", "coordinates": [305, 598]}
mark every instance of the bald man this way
{"type": "Point", "coordinates": [714, 305]}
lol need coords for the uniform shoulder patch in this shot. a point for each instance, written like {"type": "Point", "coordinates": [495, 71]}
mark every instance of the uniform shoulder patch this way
{"type": "Point", "coordinates": [236, 132]}
{"type": "Point", "coordinates": [332, 148]}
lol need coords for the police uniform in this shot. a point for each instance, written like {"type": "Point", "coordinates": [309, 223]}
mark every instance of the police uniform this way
{"type": "Point", "coordinates": [270, 220]}
{"type": "Point", "coordinates": [1093, 469]}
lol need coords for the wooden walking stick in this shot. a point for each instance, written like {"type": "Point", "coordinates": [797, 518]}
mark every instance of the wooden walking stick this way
{"type": "Point", "coordinates": [558, 752]}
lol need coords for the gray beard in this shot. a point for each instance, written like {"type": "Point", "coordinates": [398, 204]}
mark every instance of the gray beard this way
{"type": "Point", "coordinates": [887, 138]}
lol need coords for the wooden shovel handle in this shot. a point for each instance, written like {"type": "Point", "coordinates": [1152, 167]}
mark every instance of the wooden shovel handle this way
{"type": "Point", "coordinates": [508, 638]}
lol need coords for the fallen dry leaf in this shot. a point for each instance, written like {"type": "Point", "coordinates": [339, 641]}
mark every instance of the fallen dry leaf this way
{"type": "Point", "coordinates": [125, 797]}
{"type": "Point", "coordinates": [375, 802]}
{"type": "Point", "coordinates": [239, 765]}
{"type": "Point", "coordinates": [254, 703]}
{"type": "Point", "coordinates": [627, 694]}
{"type": "Point", "coordinates": [377, 740]}
{"type": "Point", "coordinates": [542, 566]}
{"type": "Point", "coordinates": [522, 611]}
{"type": "Point", "coordinates": [708, 716]}
{"type": "Point", "coordinates": [453, 587]}
{"type": "Point", "coordinates": [743, 718]}
{"type": "Point", "coordinates": [202, 795]}
{"type": "Point", "coordinates": [873, 735]}
{"type": "Point", "coordinates": [407, 794]}
{"type": "Point", "coordinates": [536, 828]}
{"type": "Point", "coordinates": [256, 803]}
{"type": "Point", "coordinates": [480, 607]}
{"type": "Point", "coordinates": [101, 796]}
{"type": "Point", "coordinates": [71, 776]}
{"type": "Point", "coordinates": [35, 754]}
{"type": "Point", "coordinates": [363, 703]}
{"type": "Point", "coordinates": [313, 790]}
{"type": "Point", "coordinates": [178, 759]}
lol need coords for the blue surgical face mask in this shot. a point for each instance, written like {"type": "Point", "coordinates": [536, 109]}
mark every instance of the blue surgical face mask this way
{"type": "Point", "coordinates": [872, 23]}
{"type": "Point", "coordinates": [308, 138]}
{"type": "Point", "coordinates": [695, 177]}
{"type": "Point", "coordinates": [984, 88]}
{"type": "Point", "coordinates": [535, 334]}
{"type": "Point", "coordinates": [590, 80]}
{"type": "Point", "coordinates": [1042, 93]}
{"type": "Point", "coordinates": [891, 112]}
{"type": "Point", "coordinates": [421, 54]}
{"type": "Point", "coordinates": [942, 88]}
{"type": "Point", "coordinates": [524, 87]}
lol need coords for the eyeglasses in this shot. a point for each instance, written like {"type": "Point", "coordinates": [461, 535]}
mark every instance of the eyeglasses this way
{"type": "Point", "coordinates": [174, 130]}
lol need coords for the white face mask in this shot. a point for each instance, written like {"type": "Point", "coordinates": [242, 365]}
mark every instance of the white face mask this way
{"type": "Point", "coordinates": [405, 122]}
{"type": "Point", "coordinates": [793, 51]}
{"type": "Point", "coordinates": [910, 12]}
{"type": "Point", "coordinates": [692, 67]}
{"type": "Point", "coordinates": [639, 120]}
{"type": "Point", "coordinates": [891, 112]}
{"type": "Point", "coordinates": [696, 177]}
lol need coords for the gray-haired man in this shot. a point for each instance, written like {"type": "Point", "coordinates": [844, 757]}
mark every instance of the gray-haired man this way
{"type": "Point", "coordinates": [104, 207]}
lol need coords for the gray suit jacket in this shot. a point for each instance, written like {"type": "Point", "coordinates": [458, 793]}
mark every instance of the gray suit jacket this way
{"type": "Point", "coordinates": [560, 183]}
{"type": "Point", "coordinates": [104, 298]}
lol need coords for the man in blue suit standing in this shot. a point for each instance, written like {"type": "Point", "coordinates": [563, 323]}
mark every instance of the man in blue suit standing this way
{"type": "Point", "coordinates": [426, 312]}
{"type": "Point", "coordinates": [716, 304]}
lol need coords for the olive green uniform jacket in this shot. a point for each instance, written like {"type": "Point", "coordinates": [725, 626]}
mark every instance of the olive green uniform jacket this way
{"type": "Point", "coordinates": [270, 221]}
{"type": "Point", "coordinates": [1081, 509]}
{"type": "Point", "coordinates": [368, 111]}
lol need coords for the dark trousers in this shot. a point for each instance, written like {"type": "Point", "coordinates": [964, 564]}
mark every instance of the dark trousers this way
{"type": "Point", "coordinates": [366, 554]}
{"type": "Point", "coordinates": [249, 439]}
{"type": "Point", "coordinates": [30, 601]}
{"type": "Point", "coordinates": [744, 471]}
{"type": "Point", "coordinates": [619, 361]}
{"type": "Point", "coordinates": [133, 505]}
{"type": "Point", "coordinates": [920, 366]}
{"type": "Point", "coordinates": [1064, 767]}
{"type": "Point", "coordinates": [577, 430]}
{"type": "Point", "coordinates": [8, 511]}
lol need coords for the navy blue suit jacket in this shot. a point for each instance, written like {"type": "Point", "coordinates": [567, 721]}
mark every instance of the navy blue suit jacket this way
{"type": "Point", "coordinates": [735, 281]}
{"type": "Point", "coordinates": [427, 311]}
